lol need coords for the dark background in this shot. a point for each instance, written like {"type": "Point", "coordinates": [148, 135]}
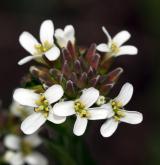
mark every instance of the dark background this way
{"type": "Point", "coordinates": [131, 145]}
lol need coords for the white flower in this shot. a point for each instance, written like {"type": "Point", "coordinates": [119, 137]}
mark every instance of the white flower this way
{"type": "Point", "coordinates": [21, 150]}
{"type": "Point", "coordinates": [42, 107]}
{"type": "Point", "coordinates": [63, 36]}
{"type": "Point", "coordinates": [117, 114]}
{"type": "Point", "coordinates": [114, 46]}
{"type": "Point", "coordinates": [81, 107]}
{"type": "Point", "coordinates": [36, 49]}
{"type": "Point", "coordinates": [20, 111]}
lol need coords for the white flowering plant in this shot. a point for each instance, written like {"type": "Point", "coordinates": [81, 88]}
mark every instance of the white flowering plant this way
{"type": "Point", "coordinates": [69, 85]}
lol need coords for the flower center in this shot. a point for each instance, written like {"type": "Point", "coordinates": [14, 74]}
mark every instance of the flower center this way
{"type": "Point", "coordinates": [117, 108]}
{"type": "Point", "coordinates": [43, 105]}
{"type": "Point", "coordinates": [114, 48]}
{"type": "Point", "coordinates": [42, 48]}
{"type": "Point", "coordinates": [26, 148]}
{"type": "Point", "coordinates": [81, 110]}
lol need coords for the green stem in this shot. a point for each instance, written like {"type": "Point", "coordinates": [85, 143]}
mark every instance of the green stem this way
{"type": "Point", "coordinates": [67, 147]}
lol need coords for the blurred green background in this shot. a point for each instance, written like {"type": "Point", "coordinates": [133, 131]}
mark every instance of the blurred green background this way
{"type": "Point", "coordinates": [130, 145]}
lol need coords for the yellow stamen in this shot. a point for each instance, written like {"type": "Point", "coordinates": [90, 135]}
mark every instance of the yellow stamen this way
{"type": "Point", "coordinates": [81, 110]}
{"type": "Point", "coordinates": [114, 48]}
{"type": "Point", "coordinates": [26, 148]}
{"type": "Point", "coordinates": [43, 105]}
{"type": "Point", "coordinates": [42, 48]}
{"type": "Point", "coordinates": [117, 108]}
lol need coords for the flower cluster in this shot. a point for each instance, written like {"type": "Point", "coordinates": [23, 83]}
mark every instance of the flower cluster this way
{"type": "Point", "coordinates": [71, 80]}
{"type": "Point", "coordinates": [17, 149]}
{"type": "Point", "coordinates": [20, 150]}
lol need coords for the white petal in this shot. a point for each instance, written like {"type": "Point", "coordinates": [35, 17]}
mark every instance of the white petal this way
{"type": "Point", "coordinates": [89, 96]}
{"type": "Point", "coordinates": [80, 126]}
{"type": "Point", "coordinates": [132, 117]}
{"type": "Point", "coordinates": [64, 108]}
{"type": "Point", "coordinates": [34, 140]}
{"type": "Point", "coordinates": [107, 34]}
{"type": "Point", "coordinates": [53, 53]}
{"type": "Point", "coordinates": [109, 127]}
{"type": "Point", "coordinates": [25, 97]}
{"type": "Point", "coordinates": [20, 110]}
{"type": "Point", "coordinates": [59, 34]}
{"type": "Point", "coordinates": [47, 32]}
{"type": "Point", "coordinates": [64, 36]}
{"type": "Point", "coordinates": [25, 60]}
{"type": "Point", "coordinates": [97, 113]}
{"type": "Point", "coordinates": [12, 142]}
{"type": "Point", "coordinates": [8, 156]}
{"type": "Point", "coordinates": [121, 37]}
{"type": "Point", "coordinates": [108, 108]}
{"type": "Point", "coordinates": [130, 50]}
{"type": "Point", "coordinates": [15, 109]}
{"type": "Point", "coordinates": [54, 93]}
{"type": "Point", "coordinates": [69, 33]}
{"type": "Point", "coordinates": [36, 159]}
{"type": "Point", "coordinates": [28, 42]}
{"type": "Point", "coordinates": [28, 59]}
{"type": "Point", "coordinates": [32, 123]}
{"type": "Point", "coordinates": [125, 94]}
{"type": "Point", "coordinates": [56, 119]}
{"type": "Point", "coordinates": [17, 159]}
{"type": "Point", "coordinates": [103, 48]}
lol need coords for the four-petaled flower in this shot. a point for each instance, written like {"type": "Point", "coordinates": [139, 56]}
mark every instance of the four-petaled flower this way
{"type": "Point", "coordinates": [64, 36]}
{"type": "Point", "coordinates": [21, 150]}
{"type": "Point", "coordinates": [117, 114]}
{"type": "Point", "coordinates": [114, 46]}
{"type": "Point", "coordinates": [81, 108]}
{"type": "Point", "coordinates": [42, 107]}
{"type": "Point", "coordinates": [36, 49]}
